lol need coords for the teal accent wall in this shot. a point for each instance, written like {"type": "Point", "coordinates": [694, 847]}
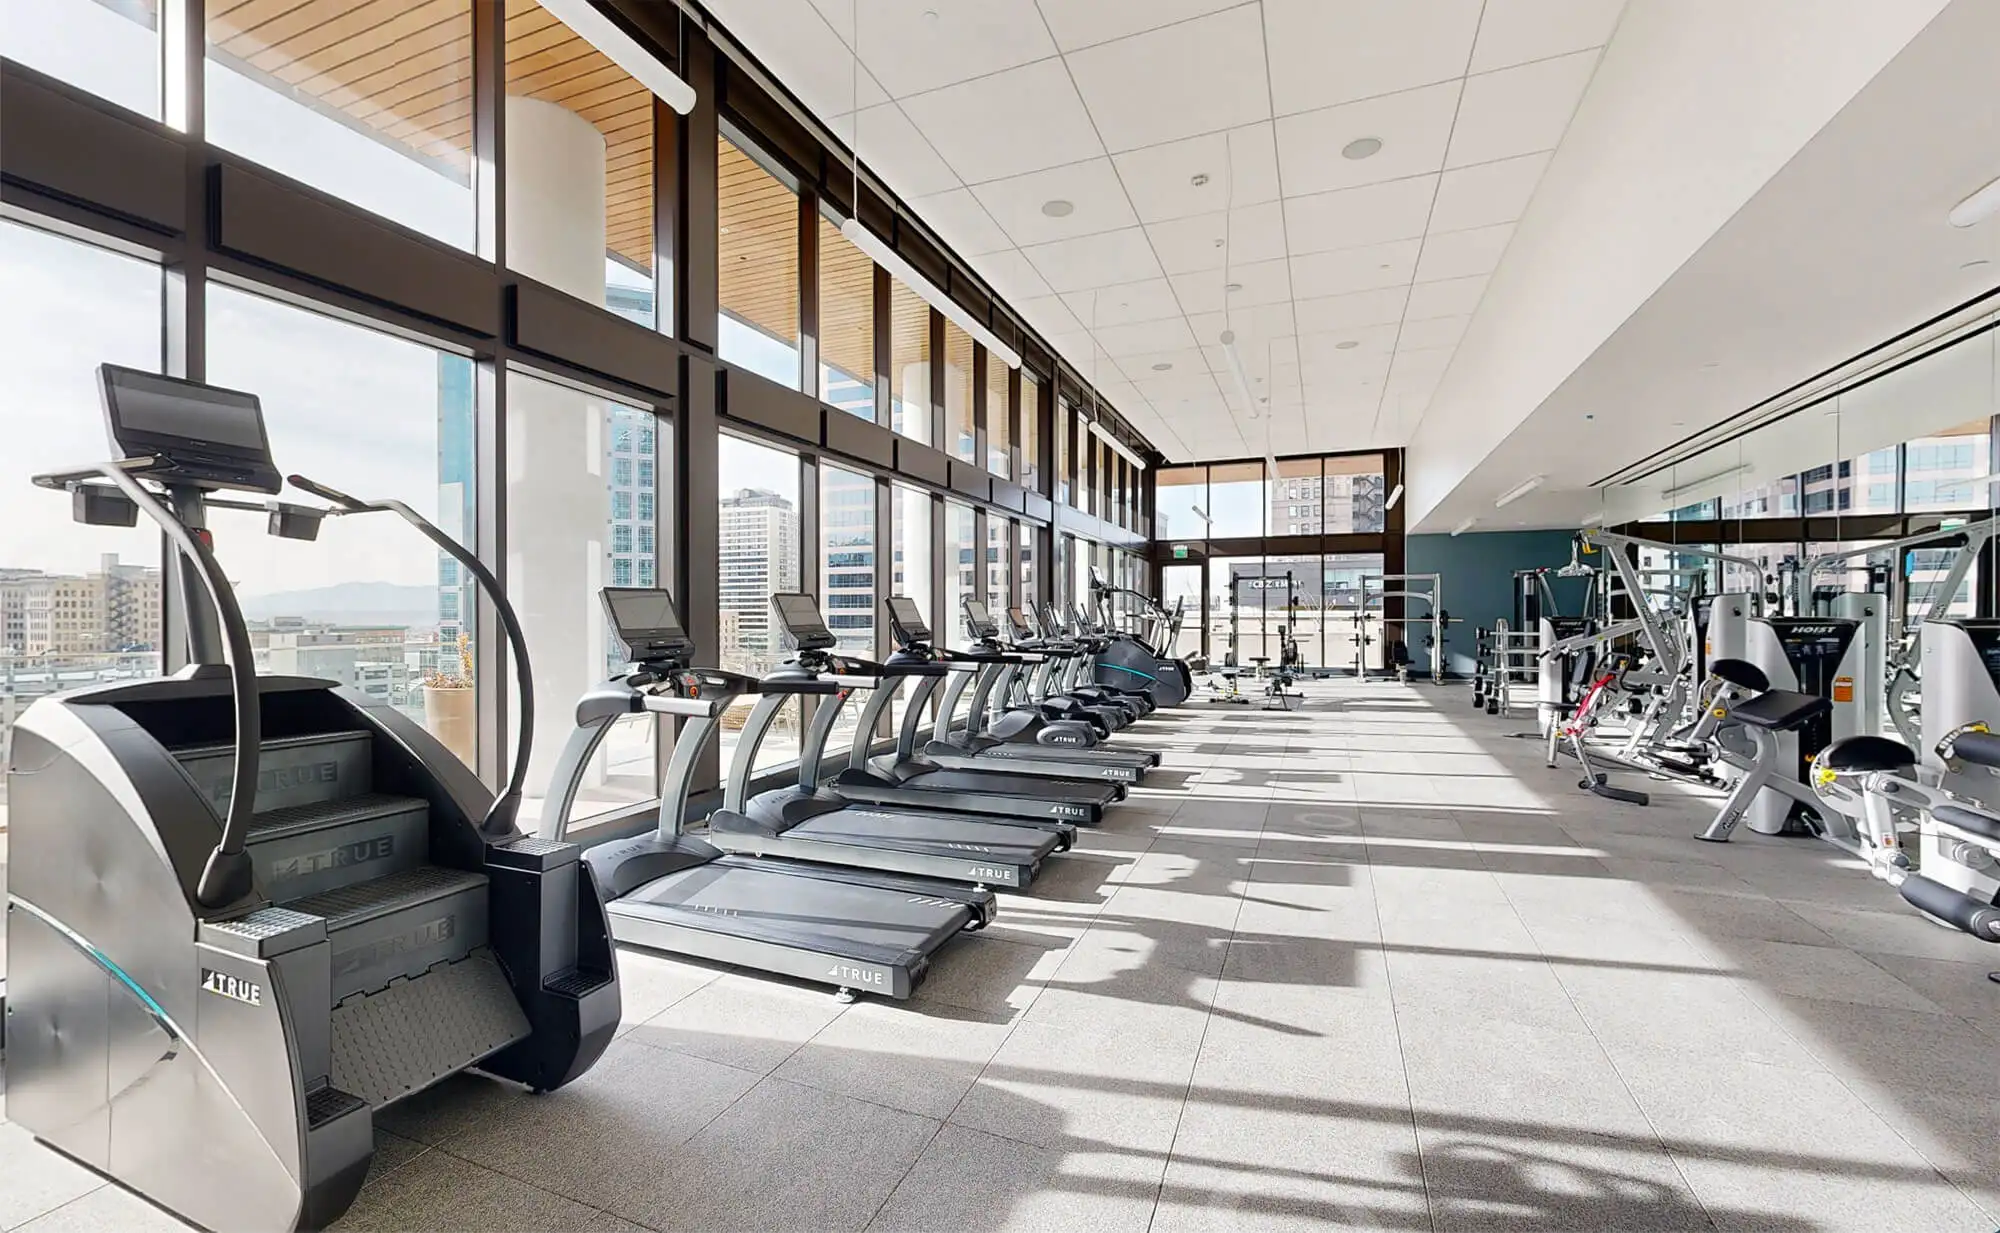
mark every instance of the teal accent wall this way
{"type": "Point", "coordinates": [1478, 571]}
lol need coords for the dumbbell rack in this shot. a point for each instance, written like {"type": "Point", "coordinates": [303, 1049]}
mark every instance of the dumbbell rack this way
{"type": "Point", "coordinates": [1506, 657]}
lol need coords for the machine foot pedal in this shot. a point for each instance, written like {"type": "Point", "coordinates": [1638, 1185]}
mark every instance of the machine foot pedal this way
{"type": "Point", "coordinates": [418, 1031]}
{"type": "Point", "coordinates": [576, 982]}
{"type": "Point", "coordinates": [329, 1103]}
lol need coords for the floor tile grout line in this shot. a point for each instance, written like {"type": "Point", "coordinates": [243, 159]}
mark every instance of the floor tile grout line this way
{"type": "Point", "coordinates": [1402, 1054]}
{"type": "Point", "coordinates": [1194, 1066]}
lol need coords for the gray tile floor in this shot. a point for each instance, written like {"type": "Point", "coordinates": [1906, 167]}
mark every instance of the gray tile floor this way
{"type": "Point", "coordinates": [1364, 966]}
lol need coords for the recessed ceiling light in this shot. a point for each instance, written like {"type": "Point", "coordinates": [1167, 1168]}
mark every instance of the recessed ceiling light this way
{"type": "Point", "coordinates": [1711, 366]}
{"type": "Point", "coordinates": [1162, 366]}
{"type": "Point", "coordinates": [1362, 147]}
{"type": "Point", "coordinates": [1058, 208]}
{"type": "Point", "coordinates": [1234, 287]}
{"type": "Point", "coordinates": [1347, 345]}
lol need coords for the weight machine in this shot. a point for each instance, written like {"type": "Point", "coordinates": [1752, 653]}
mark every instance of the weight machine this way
{"type": "Point", "coordinates": [1375, 591]}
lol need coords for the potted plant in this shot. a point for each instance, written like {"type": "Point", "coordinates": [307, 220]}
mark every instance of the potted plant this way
{"type": "Point", "coordinates": [451, 711]}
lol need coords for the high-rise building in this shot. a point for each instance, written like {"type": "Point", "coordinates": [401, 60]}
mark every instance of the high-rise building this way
{"type": "Point", "coordinates": [758, 554]}
{"type": "Point", "coordinates": [632, 459]}
{"type": "Point", "coordinates": [847, 581]}
{"type": "Point", "coordinates": [114, 608]}
{"type": "Point", "coordinates": [1338, 504]}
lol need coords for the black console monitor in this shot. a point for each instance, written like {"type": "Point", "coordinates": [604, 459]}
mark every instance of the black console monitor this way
{"type": "Point", "coordinates": [979, 619]}
{"type": "Point", "coordinates": [647, 623]}
{"type": "Point", "coordinates": [205, 436]}
{"type": "Point", "coordinates": [906, 620]}
{"type": "Point", "coordinates": [799, 614]}
{"type": "Point", "coordinates": [1019, 620]}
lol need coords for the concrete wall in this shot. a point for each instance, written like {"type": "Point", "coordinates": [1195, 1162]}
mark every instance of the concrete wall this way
{"type": "Point", "coordinates": [1478, 583]}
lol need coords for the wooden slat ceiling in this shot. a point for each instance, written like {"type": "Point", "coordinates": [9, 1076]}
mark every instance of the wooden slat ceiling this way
{"type": "Point", "coordinates": [402, 69]}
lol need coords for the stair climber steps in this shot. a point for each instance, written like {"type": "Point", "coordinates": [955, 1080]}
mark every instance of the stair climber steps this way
{"type": "Point", "coordinates": [416, 1032]}
{"type": "Point", "coordinates": [399, 926]}
{"type": "Point", "coordinates": [291, 770]}
{"type": "Point", "coordinates": [310, 849]}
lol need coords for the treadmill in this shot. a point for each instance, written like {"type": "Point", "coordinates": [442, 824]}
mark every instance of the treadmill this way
{"type": "Point", "coordinates": [903, 778]}
{"type": "Point", "coordinates": [812, 822]}
{"type": "Point", "coordinates": [976, 747]}
{"type": "Point", "coordinates": [859, 931]}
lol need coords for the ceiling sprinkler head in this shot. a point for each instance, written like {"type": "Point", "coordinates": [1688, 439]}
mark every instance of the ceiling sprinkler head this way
{"type": "Point", "coordinates": [1199, 179]}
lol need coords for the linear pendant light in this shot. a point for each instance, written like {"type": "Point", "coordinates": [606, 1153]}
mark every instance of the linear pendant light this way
{"type": "Point", "coordinates": [881, 254]}
{"type": "Point", "coordinates": [1236, 371]}
{"type": "Point", "coordinates": [1117, 447]}
{"type": "Point", "coordinates": [1519, 490]}
{"type": "Point", "coordinates": [594, 28]}
{"type": "Point", "coordinates": [1395, 495]}
{"type": "Point", "coordinates": [1976, 209]}
{"type": "Point", "coordinates": [1463, 527]}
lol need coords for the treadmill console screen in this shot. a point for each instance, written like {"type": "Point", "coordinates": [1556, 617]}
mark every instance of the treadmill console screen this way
{"type": "Point", "coordinates": [211, 436]}
{"type": "Point", "coordinates": [1985, 639]}
{"type": "Point", "coordinates": [647, 623]}
{"type": "Point", "coordinates": [1019, 621]}
{"type": "Point", "coordinates": [799, 614]}
{"type": "Point", "coordinates": [979, 619]}
{"type": "Point", "coordinates": [906, 620]}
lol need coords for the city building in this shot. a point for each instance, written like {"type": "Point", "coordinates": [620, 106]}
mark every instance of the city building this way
{"type": "Point", "coordinates": [759, 554]}
{"type": "Point", "coordinates": [114, 608]}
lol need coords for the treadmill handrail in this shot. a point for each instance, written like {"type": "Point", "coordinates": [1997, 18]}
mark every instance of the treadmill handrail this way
{"type": "Point", "coordinates": [499, 823]}
{"type": "Point", "coordinates": [225, 877]}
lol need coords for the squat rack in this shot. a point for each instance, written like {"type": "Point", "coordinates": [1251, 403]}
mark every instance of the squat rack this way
{"type": "Point", "coordinates": [1375, 590]}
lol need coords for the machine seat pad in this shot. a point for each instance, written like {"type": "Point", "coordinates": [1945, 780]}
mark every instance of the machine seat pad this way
{"type": "Point", "coordinates": [1741, 673]}
{"type": "Point", "coordinates": [1869, 753]}
{"type": "Point", "coordinates": [1978, 748]}
{"type": "Point", "coordinates": [1973, 821]}
{"type": "Point", "coordinates": [1780, 710]}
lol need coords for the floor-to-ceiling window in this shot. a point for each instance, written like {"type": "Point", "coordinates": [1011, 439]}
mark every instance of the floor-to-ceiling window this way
{"type": "Point", "coordinates": [846, 324]}
{"type": "Point", "coordinates": [757, 267]}
{"type": "Point", "coordinates": [369, 100]}
{"type": "Point", "coordinates": [583, 513]}
{"type": "Point", "coordinates": [1180, 588]}
{"type": "Point", "coordinates": [1031, 432]}
{"type": "Point", "coordinates": [848, 595]}
{"type": "Point", "coordinates": [579, 168]}
{"type": "Point", "coordinates": [1064, 425]}
{"type": "Point", "coordinates": [909, 363]}
{"type": "Point", "coordinates": [960, 440]}
{"type": "Point", "coordinates": [758, 553]}
{"type": "Point", "coordinates": [1346, 627]}
{"type": "Point", "coordinates": [999, 413]}
{"type": "Point", "coordinates": [961, 564]}
{"type": "Point", "coordinates": [369, 603]}
{"type": "Point", "coordinates": [999, 572]}
{"type": "Point", "coordinates": [78, 604]}
{"type": "Point", "coordinates": [910, 565]}
{"type": "Point", "coordinates": [111, 50]}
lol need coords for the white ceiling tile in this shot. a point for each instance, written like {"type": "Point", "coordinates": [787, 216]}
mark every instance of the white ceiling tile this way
{"type": "Point", "coordinates": [1325, 351]}
{"type": "Point", "coordinates": [1259, 328]}
{"type": "Point", "coordinates": [1451, 297]}
{"type": "Point", "coordinates": [1516, 31]}
{"type": "Point", "coordinates": [1149, 299]}
{"type": "Point", "coordinates": [1050, 315]}
{"type": "Point", "coordinates": [1188, 244]}
{"type": "Point", "coordinates": [1347, 312]}
{"type": "Point", "coordinates": [1095, 261]}
{"type": "Point", "coordinates": [1184, 361]}
{"type": "Point", "coordinates": [1357, 217]}
{"type": "Point", "coordinates": [893, 148]}
{"type": "Point", "coordinates": [1196, 77]}
{"type": "Point", "coordinates": [1092, 189]}
{"type": "Point", "coordinates": [804, 52]}
{"type": "Point", "coordinates": [1010, 274]}
{"type": "Point", "coordinates": [1518, 110]}
{"type": "Point", "coordinates": [1172, 386]}
{"type": "Point", "coordinates": [1081, 23]}
{"type": "Point", "coordinates": [1462, 254]}
{"type": "Point", "coordinates": [1414, 128]}
{"type": "Point", "coordinates": [1258, 282]}
{"type": "Point", "coordinates": [961, 222]}
{"type": "Point", "coordinates": [1008, 124]}
{"type": "Point", "coordinates": [1413, 363]}
{"type": "Point", "coordinates": [1325, 52]}
{"type": "Point", "coordinates": [1349, 270]}
{"type": "Point", "coordinates": [910, 52]}
{"type": "Point", "coordinates": [1433, 332]}
{"type": "Point", "coordinates": [1489, 193]}
{"type": "Point", "coordinates": [1160, 178]}
{"type": "Point", "coordinates": [1169, 335]}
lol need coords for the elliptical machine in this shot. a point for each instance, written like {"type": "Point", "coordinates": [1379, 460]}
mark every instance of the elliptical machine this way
{"type": "Point", "coordinates": [248, 912]}
{"type": "Point", "coordinates": [1128, 662]}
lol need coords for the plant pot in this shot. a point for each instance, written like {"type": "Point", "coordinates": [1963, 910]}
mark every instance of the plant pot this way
{"type": "Point", "coordinates": [451, 714]}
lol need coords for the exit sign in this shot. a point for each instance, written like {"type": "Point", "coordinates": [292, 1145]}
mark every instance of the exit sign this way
{"type": "Point", "coordinates": [1180, 552]}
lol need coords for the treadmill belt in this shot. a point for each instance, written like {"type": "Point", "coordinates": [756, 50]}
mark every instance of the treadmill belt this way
{"type": "Point", "coordinates": [999, 783]}
{"type": "Point", "coordinates": [913, 832]}
{"type": "Point", "coordinates": [770, 905]}
{"type": "Point", "coordinates": [1058, 753]}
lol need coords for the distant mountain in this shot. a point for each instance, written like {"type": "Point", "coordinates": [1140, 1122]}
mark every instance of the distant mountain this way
{"type": "Point", "coordinates": [352, 603]}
